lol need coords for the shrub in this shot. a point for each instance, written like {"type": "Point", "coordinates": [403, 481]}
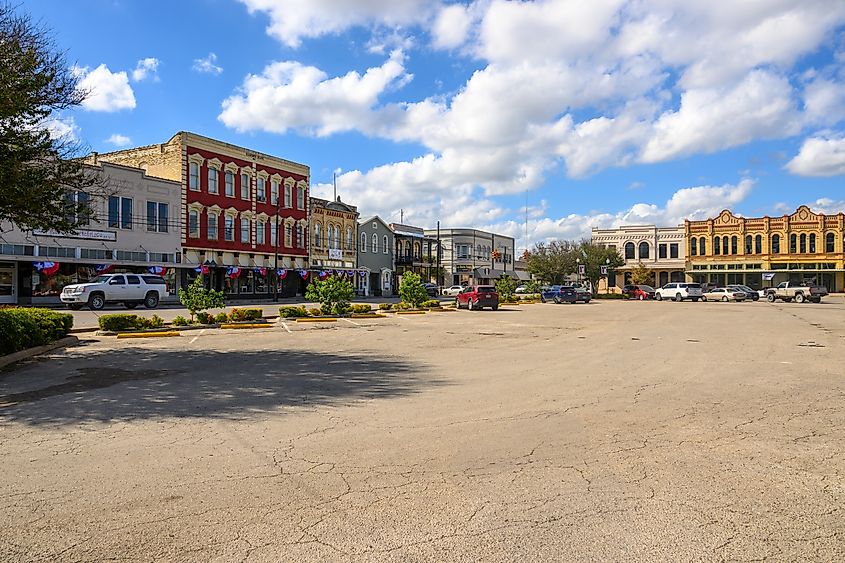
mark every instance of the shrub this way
{"type": "Point", "coordinates": [121, 321]}
{"type": "Point", "coordinates": [608, 296]}
{"type": "Point", "coordinates": [385, 306]}
{"type": "Point", "coordinates": [315, 311]}
{"type": "Point", "coordinates": [155, 322]}
{"type": "Point", "coordinates": [205, 318]}
{"type": "Point", "coordinates": [253, 314]}
{"type": "Point", "coordinates": [24, 327]}
{"type": "Point", "coordinates": [342, 309]}
{"type": "Point", "coordinates": [333, 294]}
{"type": "Point", "coordinates": [179, 321]}
{"type": "Point", "coordinates": [197, 298]}
{"type": "Point", "coordinates": [402, 305]}
{"type": "Point", "coordinates": [506, 288]}
{"type": "Point", "coordinates": [431, 303]}
{"type": "Point", "coordinates": [289, 312]}
{"type": "Point", "coordinates": [221, 318]}
{"type": "Point", "coordinates": [237, 315]}
{"type": "Point", "coordinates": [363, 308]}
{"type": "Point", "coordinates": [411, 289]}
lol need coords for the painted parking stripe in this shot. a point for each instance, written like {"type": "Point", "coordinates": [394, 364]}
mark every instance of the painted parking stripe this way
{"type": "Point", "coordinates": [350, 322]}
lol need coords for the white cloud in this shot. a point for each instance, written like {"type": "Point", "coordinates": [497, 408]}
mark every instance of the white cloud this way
{"type": "Point", "coordinates": [289, 95]}
{"type": "Point", "coordinates": [827, 206]}
{"type": "Point", "coordinates": [291, 21]}
{"type": "Point", "coordinates": [62, 128]}
{"type": "Point", "coordinates": [119, 140]}
{"type": "Point", "coordinates": [820, 156]}
{"type": "Point", "coordinates": [451, 26]}
{"type": "Point", "coordinates": [146, 68]}
{"type": "Point", "coordinates": [824, 101]}
{"type": "Point", "coordinates": [208, 65]}
{"type": "Point", "coordinates": [107, 91]}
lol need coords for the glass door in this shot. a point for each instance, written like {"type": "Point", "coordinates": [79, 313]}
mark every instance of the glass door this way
{"type": "Point", "coordinates": [8, 293]}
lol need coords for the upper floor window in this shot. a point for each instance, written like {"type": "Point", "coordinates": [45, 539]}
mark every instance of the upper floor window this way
{"type": "Point", "coordinates": [829, 242]}
{"type": "Point", "coordinates": [120, 212]}
{"type": "Point", "coordinates": [693, 246]}
{"type": "Point", "coordinates": [337, 240]}
{"type": "Point", "coordinates": [212, 180]}
{"type": "Point", "coordinates": [245, 186]}
{"type": "Point", "coordinates": [661, 251]}
{"type": "Point", "coordinates": [230, 183]}
{"type": "Point", "coordinates": [300, 240]}
{"type": "Point", "coordinates": [212, 226]}
{"type": "Point", "coordinates": [300, 197]}
{"type": "Point", "coordinates": [775, 244]}
{"type": "Point", "coordinates": [702, 246]}
{"type": "Point", "coordinates": [673, 250]}
{"type": "Point", "coordinates": [749, 244]}
{"type": "Point", "coordinates": [734, 245]}
{"type": "Point", "coordinates": [287, 196]}
{"type": "Point", "coordinates": [758, 244]}
{"type": "Point", "coordinates": [318, 236]}
{"type": "Point", "coordinates": [260, 227]}
{"type": "Point", "coordinates": [194, 176]}
{"type": "Point", "coordinates": [274, 192]}
{"type": "Point", "coordinates": [245, 228]}
{"type": "Point", "coordinates": [229, 228]}
{"type": "Point", "coordinates": [261, 187]}
{"type": "Point", "coordinates": [643, 250]}
{"type": "Point", "coordinates": [375, 242]}
{"type": "Point", "coordinates": [629, 251]}
{"type": "Point", "coordinates": [812, 244]}
{"type": "Point", "coordinates": [288, 236]}
{"type": "Point", "coordinates": [717, 246]}
{"type": "Point", "coordinates": [384, 246]}
{"type": "Point", "coordinates": [363, 242]}
{"type": "Point", "coordinates": [793, 244]}
{"type": "Point", "coordinates": [349, 240]}
{"type": "Point", "coordinates": [157, 216]}
{"type": "Point", "coordinates": [193, 223]}
{"type": "Point", "coordinates": [274, 232]}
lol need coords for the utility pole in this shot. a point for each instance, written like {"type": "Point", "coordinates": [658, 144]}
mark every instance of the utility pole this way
{"type": "Point", "coordinates": [334, 183]}
{"type": "Point", "coordinates": [401, 216]}
{"type": "Point", "coordinates": [439, 276]}
{"type": "Point", "coordinates": [276, 246]}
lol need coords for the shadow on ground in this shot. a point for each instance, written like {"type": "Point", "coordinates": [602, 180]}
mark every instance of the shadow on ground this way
{"type": "Point", "coordinates": [135, 384]}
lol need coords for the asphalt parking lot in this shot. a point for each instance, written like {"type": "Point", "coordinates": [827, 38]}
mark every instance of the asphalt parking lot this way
{"type": "Point", "coordinates": [609, 431]}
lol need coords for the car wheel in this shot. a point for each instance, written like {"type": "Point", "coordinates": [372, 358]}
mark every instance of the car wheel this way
{"type": "Point", "coordinates": [641, 297]}
{"type": "Point", "coordinates": [695, 299]}
{"type": "Point", "coordinates": [557, 300]}
{"type": "Point", "coordinates": [96, 302]}
{"type": "Point", "coordinates": [75, 306]}
{"type": "Point", "coordinates": [770, 297]}
{"type": "Point", "coordinates": [495, 307]}
{"type": "Point", "coordinates": [658, 297]}
{"type": "Point", "coordinates": [703, 298]}
{"type": "Point", "coordinates": [799, 298]}
{"type": "Point", "coordinates": [469, 304]}
{"type": "Point", "coordinates": [151, 300]}
{"type": "Point", "coordinates": [542, 299]}
{"type": "Point", "coordinates": [725, 298]}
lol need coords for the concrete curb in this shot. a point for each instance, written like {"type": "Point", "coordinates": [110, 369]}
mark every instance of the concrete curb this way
{"type": "Point", "coordinates": [147, 334]}
{"type": "Point", "coordinates": [411, 312]}
{"type": "Point", "coordinates": [14, 357]}
{"type": "Point", "coordinates": [251, 325]}
{"type": "Point", "coordinates": [315, 320]}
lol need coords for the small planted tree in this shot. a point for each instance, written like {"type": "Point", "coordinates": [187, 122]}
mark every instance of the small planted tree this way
{"type": "Point", "coordinates": [333, 294]}
{"type": "Point", "coordinates": [197, 298]}
{"type": "Point", "coordinates": [506, 288]}
{"type": "Point", "coordinates": [641, 275]}
{"type": "Point", "coordinates": [411, 290]}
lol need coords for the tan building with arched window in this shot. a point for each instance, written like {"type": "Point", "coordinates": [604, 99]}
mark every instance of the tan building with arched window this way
{"type": "Point", "coordinates": [761, 252]}
{"type": "Point", "coordinates": [334, 231]}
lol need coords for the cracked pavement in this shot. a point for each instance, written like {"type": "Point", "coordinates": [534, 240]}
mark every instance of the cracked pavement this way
{"type": "Point", "coordinates": [608, 431]}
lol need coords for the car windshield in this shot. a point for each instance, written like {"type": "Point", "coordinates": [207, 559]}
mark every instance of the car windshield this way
{"type": "Point", "coordinates": [100, 279]}
{"type": "Point", "coordinates": [646, 288]}
{"type": "Point", "coordinates": [486, 288]}
{"type": "Point", "coordinates": [692, 285]}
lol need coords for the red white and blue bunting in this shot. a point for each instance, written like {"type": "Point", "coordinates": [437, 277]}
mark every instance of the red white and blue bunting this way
{"type": "Point", "coordinates": [46, 268]}
{"type": "Point", "coordinates": [157, 270]}
{"type": "Point", "coordinates": [303, 274]}
{"type": "Point", "coordinates": [282, 273]}
{"type": "Point", "coordinates": [260, 271]}
{"type": "Point", "coordinates": [103, 268]}
{"type": "Point", "coordinates": [233, 272]}
{"type": "Point", "coordinates": [202, 269]}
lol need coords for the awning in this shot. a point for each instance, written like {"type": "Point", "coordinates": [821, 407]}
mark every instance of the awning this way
{"type": "Point", "coordinates": [492, 273]}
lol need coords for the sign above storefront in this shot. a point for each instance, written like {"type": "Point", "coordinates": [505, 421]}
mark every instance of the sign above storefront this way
{"type": "Point", "coordinates": [80, 234]}
{"type": "Point", "coordinates": [335, 254]}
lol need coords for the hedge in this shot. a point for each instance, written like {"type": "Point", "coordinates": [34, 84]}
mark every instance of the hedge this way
{"type": "Point", "coordinates": [24, 327]}
{"type": "Point", "coordinates": [289, 312]}
{"type": "Point", "coordinates": [117, 322]}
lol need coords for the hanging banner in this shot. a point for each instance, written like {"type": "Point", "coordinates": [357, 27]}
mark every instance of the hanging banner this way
{"type": "Point", "coordinates": [260, 271]}
{"type": "Point", "coordinates": [323, 274]}
{"type": "Point", "coordinates": [282, 273]}
{"type": "Point", "coordinates": [768, 276]}
{"type": "Point", "coordinates": [362, 273]}
{"type": "Point", "coordinates": [582, 269]}
{"type": "Point", "coordinates": [303, 274]}
{"type": "Point", "coordinates": [233, 272]}
{"type": "Point", "coordinates": [46, 268]}
{"type": "Point", "coordinates": [202, 269]}
{"type": "Point", "coordinates": [350, 273]}
{"type": "Point", "coordinates": [103, 268]}
{"type": "Point", "coordinates": [157, 270]}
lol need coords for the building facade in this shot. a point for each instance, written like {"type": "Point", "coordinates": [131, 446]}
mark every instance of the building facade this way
{"type": "Point", "coordinates": [376, 252]}
{"type": "Point", "coordinates": [471, 256]}
{"type": "Point", "coordinates": [243, 213]}
{"type": "Point", "coordinates": [134, 229]}
{"type": "Point", "coordinates": [660, 249]}
{"type": "Point", "coordinates": [414, 252]}
{"type": "Point", "coordinates": [764, 251]}
{"type": "Point", "coordinates": [334, 230]}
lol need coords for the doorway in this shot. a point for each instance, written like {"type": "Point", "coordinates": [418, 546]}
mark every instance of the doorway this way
{"type": "Point", "coordinates": [8, 285]}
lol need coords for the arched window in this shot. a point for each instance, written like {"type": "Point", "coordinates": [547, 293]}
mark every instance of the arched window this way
{"type": "Point", "coordinates": [643, 250]}
{"type": "Point", "coordinates": [363, 242]}
{"type": "Point", "coordinates": [812, 244]}
{"type": "Point", "coordinates": [734, 244]}
{"type": "Point", "coordinates": [758, 244]}
{"type": "Point", "coordinates": [775, 244]}
{"type": "Point", "coordinates": [829, 241]}
{"type": "Point", "coordinates": [725, 246]}
{"type": "Point", "coordinates": [803, 247]}
{"type": "Point", "coordinates": [793, 244]}
{"type": "Point", "coordinates": [318, 236]}
{"type": "Point", "coordinates": [702, 246]}
{"type": "Point", "coordinates": [407, 249]}
{"type": "Point", "coordinates": [629, 251]}
{"type": "Point", "coordinates": [749, 244]}
{"type": "Point", "coordinates": [337, 240]}
{"type": "Point", "coordinates": [479, 253]}
{"type": "Point", "coordinates": [349, 239]}
{"type": "Point", "coordinates": [663, 278]}
{"type": "Point", "coordinates": [384, 247]}
{"type": "Point", "coordinates": [717, 246]}
{"type": "Point", "coordinates": [245, 230]}
{"type": "Point", "coordinates": [693, 246]}
{"type": "Point", "coordinates": [375, 242]}
{"type": "Point", "coordinates": [194, 223]}
{"type": "Point", "coordinates": [417, 252]}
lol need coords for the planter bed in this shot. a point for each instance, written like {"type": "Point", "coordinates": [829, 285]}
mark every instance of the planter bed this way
{"type": "Point", "coordinates": [166, 328]}
{"type": "Point", "coordinates": [411, 312]}
{"type": "Point", "coordinates": [368, 316]}
{"type": "Point", "coordinates": [246, 325]}
{"type": "Point", "coordinates": [316, 319]}
{"type": "Point", "coordinates": [149, 334]}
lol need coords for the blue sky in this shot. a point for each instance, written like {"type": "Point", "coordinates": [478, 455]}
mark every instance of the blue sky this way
{"type": "Point", "coordinates": [590, 114]}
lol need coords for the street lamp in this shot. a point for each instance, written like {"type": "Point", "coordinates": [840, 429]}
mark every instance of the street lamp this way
{"type": "Point", "coordinates": [276, 248]}
{"type": "Point", "coordinates": [578, 261]}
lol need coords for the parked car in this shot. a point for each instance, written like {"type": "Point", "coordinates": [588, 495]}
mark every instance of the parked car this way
{"type": "Point", "coordinates": [565, 294]}
{"type": "Point", "coordinates": [477, 297]}
{"type": "Point", "coordinates": [641, 292]}
{"type": "Point", "coordinates": [521, 289]}
{"type": "Point", "coordinates": [679, 291]}
{"type": "Point", "coordinates": [452, 291]}
{"type": "Point", "coordinates": [723, 294]}
{"type": "Point", "coordinates": [129, 289]}
{"type": "Point", "coordinates": [800, 292]}
{"type": "Point", "coordinates": [430, 289]}
{"type": "Point", "coordinates": [750, 294]}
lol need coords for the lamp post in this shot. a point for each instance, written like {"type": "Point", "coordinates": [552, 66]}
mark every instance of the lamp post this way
{"type": "Point", "coordinates": [578, 262]}
{"type": "Point", "coordinates": [276, 248]}
{"type": "Point", "coordinates": [607, 275]}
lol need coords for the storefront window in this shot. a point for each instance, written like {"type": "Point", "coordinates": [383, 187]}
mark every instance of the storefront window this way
{"type": "Point", "coordinates": [261, 285]}
{"type": "Point", "coordinates": [247, 282]}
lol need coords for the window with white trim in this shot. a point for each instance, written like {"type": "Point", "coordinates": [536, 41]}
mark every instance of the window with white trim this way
{"type": "Point", "coordinates": [212, 226]}
{"type": "Point", "coordinates": [300, 240]}
{"type": "Point", "coordinates": [260, 226]}
{"type": "Point", "coordinates": [350, 241]}
{"type": "Point", "coordinates": [274, 192]}
{"type": "Point", "coordinates": [287, 196]}
{"type": "Point", "coordinates": [337, 239]}
{"type": "Point", "coordinates": [273, 239]}
{"type": "Point", "coordinates": [261, 189]}
{"type": "Point", "coordinates": [300, 197]}
{"type": "Point", "coordinates": [212, 180]}
{"type": "Point", "coordinates": [120, 212]}
{"type": "Point", "coordinates": [384, 245]}
{"type": "Point", "coordinates": [288, 235]}
{"type": "Point", "coordinates": [375, 243]}
{"type": "Point", "coordinates": [230, 183]}
{"type": "Point", "coordinates": [194, 176]}
{"type": "Point", "coordinates": [363, 242]}
{"type": "Point", "coordinates": [245, 227]}
{"type": "Point", "coordinates": [193, 223]}
{"type": "Point", "coordinates": [157, 216]}
{"type": "Point", "coordinates": [229, 228]}
{"type": "Point", "coordinates": [245, 186]}
{"type": "Point", "coordinates": [318, 238]}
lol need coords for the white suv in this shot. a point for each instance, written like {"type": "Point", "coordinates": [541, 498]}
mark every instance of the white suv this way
{"type": "Point", "coordinates": [129, 289]}
{"type": "Point", "coordinates": [679, 291]}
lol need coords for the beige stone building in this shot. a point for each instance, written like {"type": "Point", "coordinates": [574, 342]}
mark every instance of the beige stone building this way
{"type": "Point", "coordinates": [660, 249]}
{"type": "Point", "coordinates": [334, 232]}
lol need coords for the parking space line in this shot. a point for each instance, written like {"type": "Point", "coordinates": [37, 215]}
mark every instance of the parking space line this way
{"type": "Point", "coordinates": [284, 324]}
{"type": "Point", "coordinates": [194, 339]}
{"type": "Point", "coordinates": [350, 322]}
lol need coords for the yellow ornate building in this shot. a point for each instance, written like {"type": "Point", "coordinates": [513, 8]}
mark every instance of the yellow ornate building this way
{"type": "Point", "coordinates": [334, 232]}
{"type": "Point", "coordinates": [765, 251]}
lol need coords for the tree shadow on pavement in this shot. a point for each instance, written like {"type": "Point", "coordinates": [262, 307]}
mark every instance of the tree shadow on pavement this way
{"type": "Point", "coordinates": [133, 384]}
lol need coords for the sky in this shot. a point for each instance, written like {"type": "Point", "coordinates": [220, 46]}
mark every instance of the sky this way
{"type": "Point", "coordinates": [537, 119]}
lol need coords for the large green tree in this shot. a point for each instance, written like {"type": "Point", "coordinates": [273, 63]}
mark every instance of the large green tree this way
{"type": "Point", "coordinates": [36, 169]}
{"type": "Point", "coordinates": [551, 262]}
{"type": "Point", "coordinates": [594, 256]}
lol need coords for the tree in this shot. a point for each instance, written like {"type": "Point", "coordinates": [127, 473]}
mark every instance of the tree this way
{"type": "Point", "coordinates": [594, 257]}
{"type": "Point", "coordinates": [552, 262]}
{"type": "Point", "coordinates": [411, 290]}
{"type": "Point", "coordinates": [506, 287]}
{"type": "Point", "coordinates": [333, 294]}
{"type": "Point", "coordinates": [196, 298]}
{"type": "Point", "coordinates": [641, 275]}
{"type": "Point", "coordinates": [37, 170]}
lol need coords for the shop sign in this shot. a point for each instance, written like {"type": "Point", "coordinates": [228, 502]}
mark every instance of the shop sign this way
{"type": "Point", "coordinates": [768, 276]}
{"type": "Point", "coordinates": [80, 234]}
{"type": "Point", "coordinates": [335, 254]}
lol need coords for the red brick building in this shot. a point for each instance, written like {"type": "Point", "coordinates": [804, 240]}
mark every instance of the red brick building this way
{"type": "Point", "coordinates": [233, 198]}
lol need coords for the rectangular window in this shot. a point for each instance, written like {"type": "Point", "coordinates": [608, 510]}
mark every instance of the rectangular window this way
{"type": "Point", "coordinates": [274, 192]}
{"type": "Point", "coordinates": [230, 184]}
{"type": "Point", "coordinates": [244, 186]}
{"type": "Point", "coordinates": [300, 198]}
{"type": "Point", "coordinates": [273, 240]}
{"type": "Point", "coordinates": [152, 216]}
{"type": "Point", "coordinates": [212, 180]}
{"type": "Point", "coordinates": [673, 250]}
{"type": "Point", "coordinates": [288, 236]}
{"type": "Point", "coordinates": [287, 196]}
{"type": "Point", "coordinates": [259, 232]}
{"type": "Point", "coordinates": [212, 226]}
{"type": "Point", "coordinates": [194, 176]}
{"type": "Point", "coordinates": [163, 217]}
{"type": "Point", "coordinates": [262, 183]}
{"type": "Point", "coordinates": [126, 213]}
{"type": "Point", "coordinates": [661, 251]}
{"type": "Point", "coordinates": [229, 228]}
{"type": "Point", "coordinates": [193, 223]}
{"type": "Point", "coordinates": [114, 211]}
{"type": "Point", "coordinates": [245, 225]}
{"type": "Point", "coordinates": [95, 254]}
{"type": "Point", "coordinates": [81, 209]}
